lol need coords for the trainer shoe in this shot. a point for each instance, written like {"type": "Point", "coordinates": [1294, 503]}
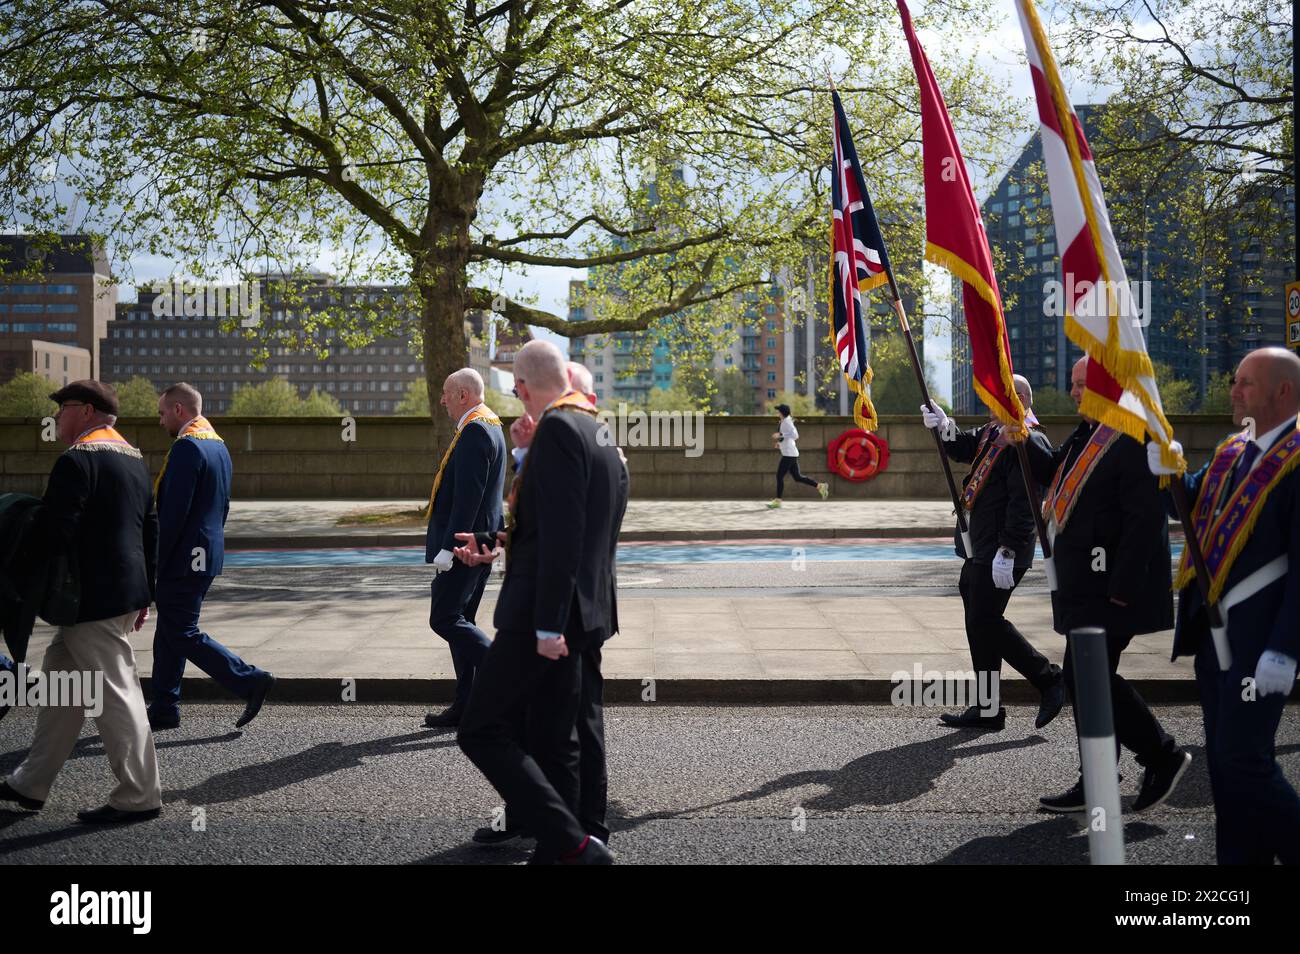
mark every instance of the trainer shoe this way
{"type": "Point", "coordinates": [824, 489]}
{"type": "Point", "coordinates": [1159, 780]}
{"type": "Point", "coordinates": [1072, 800]}
{"type": "Point", "coordinates": [773, 504]}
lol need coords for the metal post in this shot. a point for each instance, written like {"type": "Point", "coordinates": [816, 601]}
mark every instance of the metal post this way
{"type": "Point", "coordinates": [1097, 752]}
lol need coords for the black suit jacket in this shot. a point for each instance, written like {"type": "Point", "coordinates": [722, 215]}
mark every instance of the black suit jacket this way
{"type": "Point", "coordinates": [1115, 545]}
{"type": "Point", "coordinates": [99, 508]}
{"type": "Point", "coordinates": [569, 505]}
{"type": "Point", "coordinates": [1271, 618]}
{"type": "Point", "coordinates": [1002, 516]}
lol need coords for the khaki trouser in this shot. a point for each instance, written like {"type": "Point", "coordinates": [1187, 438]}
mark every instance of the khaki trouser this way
{"type": "Point", "coordinates": [123, 725]}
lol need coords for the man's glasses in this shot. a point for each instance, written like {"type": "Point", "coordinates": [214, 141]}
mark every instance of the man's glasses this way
{"type": "Point", "coordinates": [67, 404]}
{"type": "Point", "coordinates": [515, 390]}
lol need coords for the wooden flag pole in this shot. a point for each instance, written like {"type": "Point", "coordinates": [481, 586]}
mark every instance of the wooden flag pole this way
{"type": "Point", "coordinates": [963, 526]}
{"type": "Point", "coordinates": [1036, 505]}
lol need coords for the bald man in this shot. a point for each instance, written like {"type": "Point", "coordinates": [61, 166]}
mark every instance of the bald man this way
{"type": "Point", "coordinates": [1110, 544]}
{"type": "Point", "coordinates": [1003, 536]}
{"type": "Point", "coordinates": [193, 499]}
{"type": "Point", "coordinates": [556, 609]}
{"type": "Point", "coordinates": [466, 497]}
{"type": "Point", "coordinates": [1248, 497]}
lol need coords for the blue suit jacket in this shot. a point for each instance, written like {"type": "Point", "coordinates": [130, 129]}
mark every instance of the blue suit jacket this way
{"type": "Point", "coordinates": [193, 502]}
{"type": "Point", "coordinates": [469, 497]}
{"type": "Point", "coordinates": [1271, 618]}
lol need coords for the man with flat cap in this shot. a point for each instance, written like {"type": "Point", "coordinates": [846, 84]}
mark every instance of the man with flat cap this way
{"type": "Point", "coordinates": [99, 507]}
{"type": "Point", "coordinates": [1246, 511]}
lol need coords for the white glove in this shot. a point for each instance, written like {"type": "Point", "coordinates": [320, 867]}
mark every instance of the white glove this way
{"type": "Point", "coordinates": [1153, 458]}
{"type": "Point", "coordinates": [443, 560]}
{"type": "Point", "coordinates": [934, 419]}
{"type": "Point", "coordinates": [1275, 672]}
{"type": "Point", "coordinates": [1004, 571]}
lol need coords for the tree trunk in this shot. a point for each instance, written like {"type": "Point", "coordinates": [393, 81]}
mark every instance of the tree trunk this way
{"type": "Point", "coordinates": [440, 280]}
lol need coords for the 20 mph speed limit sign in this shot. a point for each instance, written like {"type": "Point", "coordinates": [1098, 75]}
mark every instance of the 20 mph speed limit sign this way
{"type": "Point", "coordinates": [1293, 314]}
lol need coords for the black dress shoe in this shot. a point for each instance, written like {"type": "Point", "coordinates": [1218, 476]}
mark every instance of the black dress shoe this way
{"type": "Point", "coordinates": [255, 701]}
{"type": "Point", "coordinates": [446, 719]}
{"type": "Point", "coordinates": [7, 794]}
{"type": "Point", "coordinates": [972, 719]}
{"type": "Point", "coordinates": [159, 722]}
{"type": "Point", "coordinates": [1159, 780]}
{"type": "Point", "coordinates": [108, 815]}
{"type": "Point", "coordinates": [593, 852]}
{"type": "Point", "coordinates": [488, 835]}
{"type": "Point", "coordinates": [1053, 699]}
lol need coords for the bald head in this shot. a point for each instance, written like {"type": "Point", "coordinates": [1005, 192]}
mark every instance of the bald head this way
{"type": "Point", "coordinates": [1266, 388]}
{"type": "Point", "coordinates": [580, 379]}
{"type": "Point", "coordinates": [462, 391]}
{"type": "Point", "coordinates": [540, 375]}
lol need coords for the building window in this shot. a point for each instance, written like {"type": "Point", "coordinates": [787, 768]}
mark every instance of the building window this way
{"type": "Point", "coordinates": [771, 393]}
{"type": "Point", "coordinates": [771, 342]}
{"type": "Point", "coordinates": [771, 359]}
{"type": "Point", "coordinates": [771, 375]}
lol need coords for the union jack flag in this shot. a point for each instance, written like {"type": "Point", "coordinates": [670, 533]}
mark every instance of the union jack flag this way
{"type": "Point", "coordinates": [859, 261]}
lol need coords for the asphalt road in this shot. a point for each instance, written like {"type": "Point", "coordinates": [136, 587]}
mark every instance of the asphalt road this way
{"type": "Point", "coordinates": [687, 785]}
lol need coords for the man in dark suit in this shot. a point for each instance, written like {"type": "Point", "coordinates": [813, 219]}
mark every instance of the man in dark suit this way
{"type": "Point", "coordinates": [1002, 533]}
{"type": "Point", "coordinates": [466, 496]}
{"type": "Point", "coordinates": [1253, 482]}
{"type": "Point", "coordinates": [99, 509]}
{"type": "Point", "coordinates": [1110, 545]}
{"type": "Point", "coordinates": [556, 608]}
{"type": "Point", "coordinates": [193, 499]}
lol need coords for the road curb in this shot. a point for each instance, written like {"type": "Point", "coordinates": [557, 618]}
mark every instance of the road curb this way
{"type": "Point", "coordinates": [337, 540]}
{"type": "Point", "coordinates": [321, 690]}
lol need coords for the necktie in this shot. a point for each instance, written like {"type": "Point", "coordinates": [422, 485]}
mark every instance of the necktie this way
{"type": "Point", "coordinates": [1244, 463]}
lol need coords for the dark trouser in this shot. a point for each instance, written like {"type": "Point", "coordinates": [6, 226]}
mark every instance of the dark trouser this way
{"type": "Point", "coordinates": [537, 775]}
{"type": "Point", "coordinates": [593, 780]}
{"type": "Point", "coordinates": [1136, 729]}
{"type": "Point", "coordinates": [1256, 811]}
{"type": "Point", "coordinates": [992, 637]}
{"type": "Point", "coordinates": [790, 465]}
{"type": "Point", "coordinates": [178, 638]}
{"type": "Point", "coordinates": [452, 610]}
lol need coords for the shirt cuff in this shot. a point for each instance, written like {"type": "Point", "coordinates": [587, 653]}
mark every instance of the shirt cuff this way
{"type": "Point", "coordinates": [547, 634]}
{"type": "Point", "coordinates": [519, 453]}
{"type": "Point", "coordinates": [443, 560]}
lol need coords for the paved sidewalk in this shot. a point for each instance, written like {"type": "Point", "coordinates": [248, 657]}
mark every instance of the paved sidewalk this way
{"type": "Point", "coordinates": [707, 648]}
{"type": "Point", "coordinates": [266, 523]}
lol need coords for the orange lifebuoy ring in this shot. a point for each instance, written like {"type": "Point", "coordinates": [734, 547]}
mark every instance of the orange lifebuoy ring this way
{"type": "Point", "coordinates": [857, 455]}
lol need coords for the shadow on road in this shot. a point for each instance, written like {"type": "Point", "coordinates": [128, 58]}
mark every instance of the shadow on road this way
{"type": "Point", "coordinates": [315, 762]}
{"type": "Point", "coordinates": [1055, 841]}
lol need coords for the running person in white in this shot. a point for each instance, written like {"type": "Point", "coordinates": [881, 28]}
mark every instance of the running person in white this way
{"type": "Point", "coordinates": [785, 438]}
